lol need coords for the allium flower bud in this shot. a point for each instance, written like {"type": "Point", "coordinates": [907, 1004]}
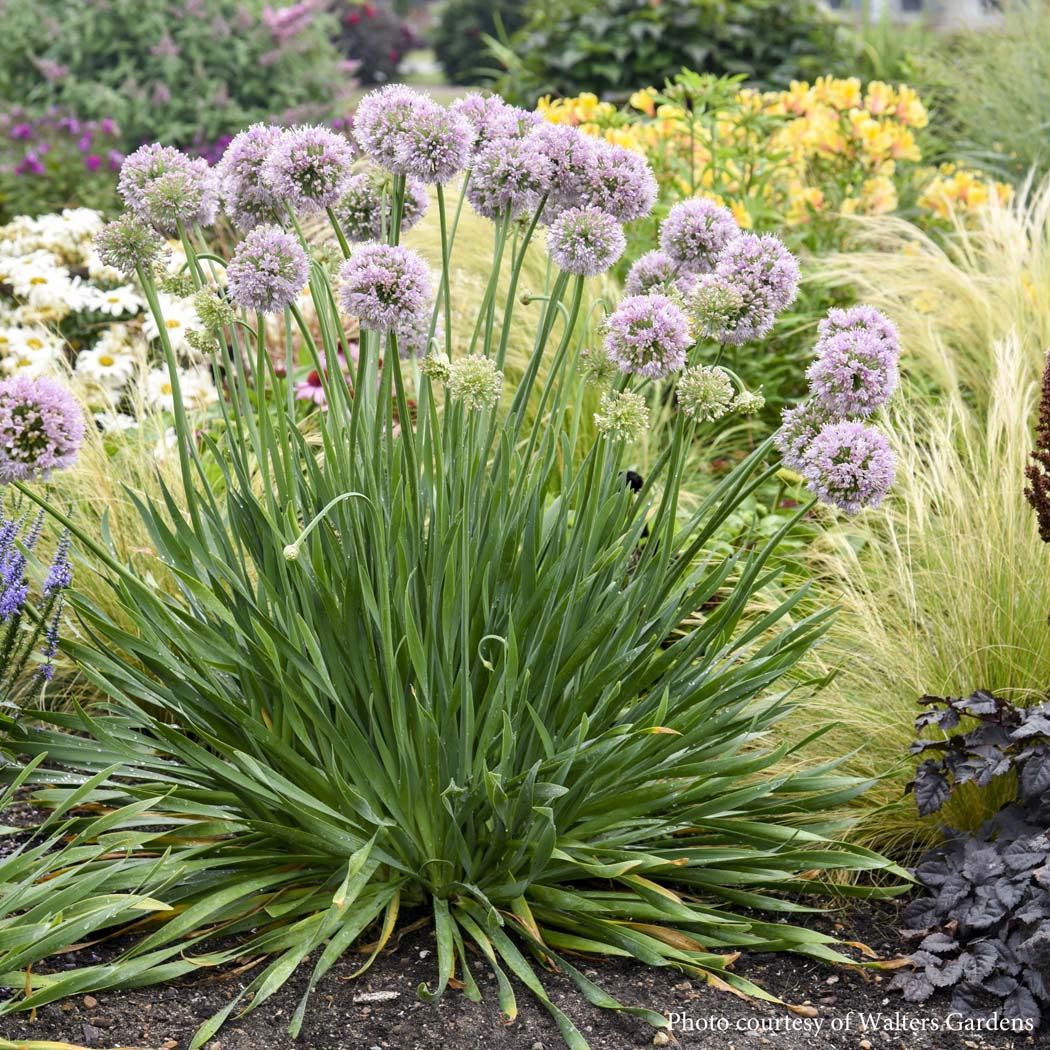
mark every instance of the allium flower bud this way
{"type": "Point", "coordinates": [436, 365]}
{"type": "Point", "coordinates": [705, 393]}
{"type": "Point", "coordinates": [41, 428]}
{"type": "Point", "coordinates": [384, 286]}
{"type": "Point", "coordinates": [508, 174]}
{"type": "Point", "coordinates": [188, 190]}
{"type": "Point", "coordinates": [648, 335]}
{"type": "Point", "coordinates": [715, 307]}
{"type": "Point", "coordinates": [366, 210]}
{"type": "Point", "coordinates": [854, 374]}
{"type": "Point", "coordinates": [308, 167]}
{"type": "Point", "coordinates": [622, 415]}
{"type": "Point", "coordinates": [596, 366]}
{"type": "Point", "coordinates": [620, 182]}
{"type": "Point", "coordinates": [247, 197]}
{"type": "Point", "coordinates": [695, 232]}
{"type": "Point", "coordinates": [748, 402]}
{"type": "Point", "coordinates": [268, 270]}
{"type": "Point", "coordinates": [215, 311]}
{"type": "Point", "coordinates": [849, 465]}
{"type": "Point", "coordinates": [585, 241]}
{"type": "Point", "coordinates": [128, 244]}
{"type": "Point", "coordinates": [475, 381]}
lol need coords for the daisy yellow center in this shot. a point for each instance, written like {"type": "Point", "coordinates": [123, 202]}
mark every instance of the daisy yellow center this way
{"type": "Point", "coordinates": [38, 280]}
{"type": "Point", "coordinates": [35, 344]}
{"type": "Point", "coordinates": [172, 324]}
{"type": "Point", "coordinates": [105, 361]}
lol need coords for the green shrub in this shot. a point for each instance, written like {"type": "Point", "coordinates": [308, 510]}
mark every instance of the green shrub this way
{"type": "Point", "coordinates": [611, 48]}
{"type": "Point", "coordinates": [459, 36]}
{"type": "Point", "coordinates": [167, 70]}
{"type": "Point", "coordinates": [374, 37]}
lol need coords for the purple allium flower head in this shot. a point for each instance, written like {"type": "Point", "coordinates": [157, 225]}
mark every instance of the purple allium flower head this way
{"type": "Point", "coordinates": [128, 244]}
{"type": "Point", "coordinates": [798, 427]}
{"type": "Point", "coordinates": [178, 196]}
{"type": "Point", "coordinates": [490, 118]}
{"type": "Point", "coordinates": [434, 146]}
{"type": "Point", "coordinates": [385, 286]}
{"type": "Point", "coordinates": [695, 232]}
{"type": "Point", "coordinates": [367, 208]}
{"type": "Point", "coordinates": [308, 167]}
{"type": "Point", "coordinates": [585, 241]}
{"type": "Point", "coordinates": [268, 270]}
{"type": "Point", "coordinates": [764, 274]}
{"type": "Point", "coordinates": [41, 428]}
{"type": "Point", "coordinates": [648, 335]}
{"type": "Point", "coordinates": [246, 196]}
{"type": "Point", "coordinates": [382, 117]}
{"type": "Point", "coordinates": [849, 465]}
{"type": "Point", "coordinates": [508, 174]}
{"type": "Point", "coordinates": [188, 194]}
{"type": "Point", "coordinates": [860, 317]}
{"type": "Point", "coordinates": [571, 153]}
{"type": "Point", "coordinates": [620, 182]}
{"type": "Point", "coordinates": [854, 374]}
{"type": "Point", "coordinates": [656, 270]}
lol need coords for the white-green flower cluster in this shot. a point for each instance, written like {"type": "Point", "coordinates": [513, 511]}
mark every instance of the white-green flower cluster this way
{"type": "Point", "coordinates": [748, 402]}
{"type": "Point", "coordinates": [705, 393]}
{"type": "Point", "coordinates": [436, 365]}
{"type": "Point", "coordinates": [215, 311]}
{"type": "Point", "coordinates": [475, 381]}
{"type": "Point", "coordinates": [596, 366]}
{"type": "Point", "coordinates": [622, 415]}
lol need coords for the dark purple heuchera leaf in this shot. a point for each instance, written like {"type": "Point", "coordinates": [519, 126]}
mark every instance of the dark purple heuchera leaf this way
{"type": "Point", "coordinates": [985, 923]}
{"type": "Point", "coordinates": [931, 787]}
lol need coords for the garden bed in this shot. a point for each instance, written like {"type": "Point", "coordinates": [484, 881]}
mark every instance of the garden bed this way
{"type": "Point", "coordinates": [382, 1009]}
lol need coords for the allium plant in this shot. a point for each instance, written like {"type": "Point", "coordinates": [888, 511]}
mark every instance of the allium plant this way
{"type": "Point", "coordinates": [433, 651]}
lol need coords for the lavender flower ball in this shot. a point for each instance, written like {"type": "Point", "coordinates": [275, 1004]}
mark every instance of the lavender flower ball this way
{"type": "Point", "coordinates": [491, 118]}
{"type": "Point", "coordinates": [620, 182]}
{"type": "Point", "coordinates": [385, 286]}
{"type": "Point", "coordinates": [508, 175]}
{"type": "Point", "coordinates": [859, 318]}
{"type": "Point", "coordinates": [695, 232]}
{"type": "Point", "coordinates": [854, 374]}
{"type": "Point", "coordinates": [572, 156]}
{"type": "Point", "coordinates": [308, 167]}
{"type": "Point", "coordinates": [41, 428]}
{"type": "Point", "coordinates": [648, 335]}
{"type": "Point", "coordinates": [246, 196]}
{"type": "Point", "coordinates": [128, 244]}
{"type": "Point", "coordinates": [367, 209]}
{"type": "Point", "coordinates": [656, 271]}
{"type": "Point", "coordinates": [188, 178]}
{"type": "Point", "coordinates": [849, 465]}
{"type": "Point", "coordinates": [798, 427]}
{"type": "Point", "coordinates": [434, 146]}
{"type": "Point", "coordinates": [765, 275]}
{"type": "Point", "coordinates": [585, 241]}
{"type": "Point", "coordinates": [268, 270]}
{"type": "Point", "coordinates": [382, 117]}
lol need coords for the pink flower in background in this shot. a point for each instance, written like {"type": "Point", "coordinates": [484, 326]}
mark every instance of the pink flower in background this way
{"type": "Point", "coordinates": [92, 162]}
{"type": "Point", "coordinates": [165, 47]}
{"type": "Point", "coordinates": [161, 94]}
{"type": "Point", "coordinates": [311, 389]}
{"type": "Point", "coordinates": [288, 22]}
{"type": "Point", "coordinates": [49, 69]}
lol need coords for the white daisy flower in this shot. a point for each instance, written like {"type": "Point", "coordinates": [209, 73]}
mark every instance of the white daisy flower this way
{"type": "Point", "coordinates": [116, 302]}
{"type": "Point", "coordinates": [179, 318]}
{"type": "Point", "coordinates": [115, 422]}
{"type": "Point", "coordinates": [109, 369]}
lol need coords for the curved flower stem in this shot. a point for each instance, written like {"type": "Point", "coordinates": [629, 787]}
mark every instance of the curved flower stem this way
{"type": "Point", "coordinates": [446, 284]}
